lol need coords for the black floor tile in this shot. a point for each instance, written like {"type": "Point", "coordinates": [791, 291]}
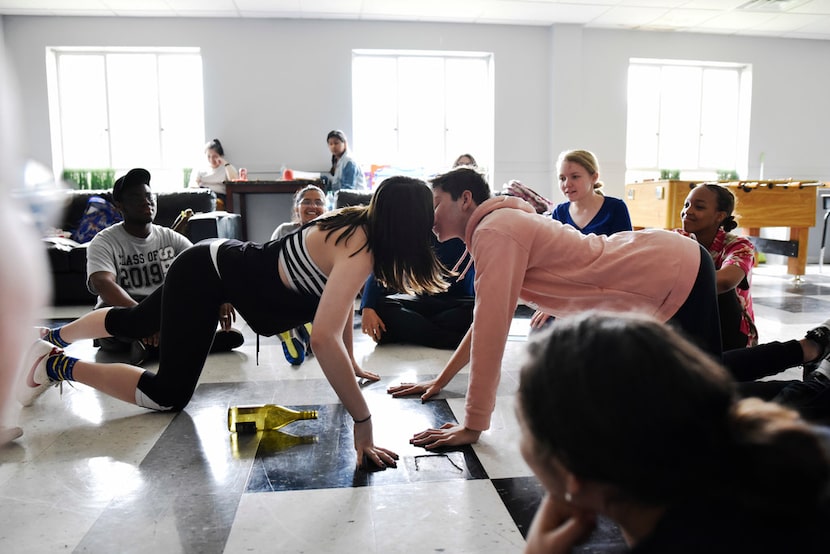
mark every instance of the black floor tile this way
{"type": "Point", "coordinates": [521, 497]}
{"type": "Point", "coordinates": [326, 459]}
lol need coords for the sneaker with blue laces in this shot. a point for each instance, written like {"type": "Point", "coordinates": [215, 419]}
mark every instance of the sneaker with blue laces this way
{"type": "Point", "coordinates": [33, 380]}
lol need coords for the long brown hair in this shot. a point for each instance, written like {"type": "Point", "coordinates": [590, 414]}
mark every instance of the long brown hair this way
{"type": "Point", "coordinates": [627, 401]}
{"type": "Point", "coordinates": [398, 223]}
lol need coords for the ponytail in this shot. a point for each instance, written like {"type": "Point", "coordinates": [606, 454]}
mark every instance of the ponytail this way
{"type": "Point", "coordinates": [729, 223]}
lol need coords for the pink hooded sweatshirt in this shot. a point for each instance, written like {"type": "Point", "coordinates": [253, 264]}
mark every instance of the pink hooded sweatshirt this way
{"type": "Point", "coordinates": [521, 255]}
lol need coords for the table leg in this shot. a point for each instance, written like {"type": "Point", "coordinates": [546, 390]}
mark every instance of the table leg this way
{"type": "Point", "coordinates": [798, 266]}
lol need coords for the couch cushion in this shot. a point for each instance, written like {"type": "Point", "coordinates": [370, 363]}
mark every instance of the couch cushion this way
{"type": "Point", "coordinates": [346, 197]}
{"type": "Point", "coordinates": [171, 204]}
{"type": "Point", "coordinates": [58, 250]}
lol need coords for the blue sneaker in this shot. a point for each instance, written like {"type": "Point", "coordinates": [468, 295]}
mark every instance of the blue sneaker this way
{"type": "Point", "coordinates": [292, 347]}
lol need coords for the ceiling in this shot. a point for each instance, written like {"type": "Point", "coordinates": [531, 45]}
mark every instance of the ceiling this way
{"type": "Point", "coordinates": [771, 18]}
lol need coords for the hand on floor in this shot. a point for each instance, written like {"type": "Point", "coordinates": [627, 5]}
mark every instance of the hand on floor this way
{"type": "Point", "coordinates": [426, 389]}
{"type": "Point", "coordinates": [450, 434]}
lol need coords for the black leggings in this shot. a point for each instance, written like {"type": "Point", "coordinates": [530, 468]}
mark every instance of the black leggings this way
{"type": "Point", "coordinates": [185, 312]}
{"type": "Point", "coordinates": [698, 317]}
{"type": "Point", "coordinates": [439, 321]}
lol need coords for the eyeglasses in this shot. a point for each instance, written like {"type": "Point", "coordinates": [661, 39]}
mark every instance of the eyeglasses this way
{"type": "Point", "coordinates": [309, 202]}
{"type": "Point", "coordinates": [137, 198]}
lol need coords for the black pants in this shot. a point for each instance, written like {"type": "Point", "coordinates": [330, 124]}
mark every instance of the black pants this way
{"type": "Point", "coordinates": [434, 321]}
{"type": "Point", "coordinates": [731, 317]}
{"type": "Point", "coordinates": [185, 312]}
{"type": "Point", "coordinates": [748, 364]}
{"type": "Point", "coordinates": [698, 318]}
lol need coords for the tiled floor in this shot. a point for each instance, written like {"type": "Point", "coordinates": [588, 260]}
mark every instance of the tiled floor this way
{"type": "Point", "coordinates": [92, 474]}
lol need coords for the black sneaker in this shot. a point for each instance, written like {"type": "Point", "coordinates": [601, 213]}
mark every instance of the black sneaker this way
{"type": "Point", "coordinates": [225, 341]}
{"type": "Point", "coordinates": [821, 336]}
{"type": "Point", "coordinates": [810, 397]}
{"type": "Point", "coordinates": [138, 353]}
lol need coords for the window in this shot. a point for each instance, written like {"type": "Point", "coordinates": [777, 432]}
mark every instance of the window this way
{"type": "Point", "coordinates": [122, 108]}
{"type": "Point", "coordinates": [418, 111]}
{"type": "Point", "coordinates": [691, 117]}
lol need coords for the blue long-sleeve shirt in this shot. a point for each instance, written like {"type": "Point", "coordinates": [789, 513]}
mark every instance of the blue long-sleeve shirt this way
{"type": "Point", "coordinates": [448, 252]}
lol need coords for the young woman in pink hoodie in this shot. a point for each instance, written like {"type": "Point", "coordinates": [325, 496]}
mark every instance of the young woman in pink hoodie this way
{"type": "Point", "coordinates": [519, 254]}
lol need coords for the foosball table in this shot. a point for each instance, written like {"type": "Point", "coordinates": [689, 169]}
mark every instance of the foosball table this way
{"type": "Point", "coordinates": [758, 204]}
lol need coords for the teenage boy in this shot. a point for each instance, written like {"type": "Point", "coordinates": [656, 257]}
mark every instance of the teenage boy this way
{"type": "Point", "coordinates": [520, 254]}
{"type": "Point", "coordinates": [129, 260]}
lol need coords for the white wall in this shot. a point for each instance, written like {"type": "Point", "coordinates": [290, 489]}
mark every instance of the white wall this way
{"type": "Point", "coordinates": [274, 88]}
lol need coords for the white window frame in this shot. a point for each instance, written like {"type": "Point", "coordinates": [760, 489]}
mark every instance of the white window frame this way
{"type": "Point", "coordinates": [166, 166]}
{"type": "Point", "coordinates": [698, 170]}
{"type": "Point", "coordinates": [450, 143]}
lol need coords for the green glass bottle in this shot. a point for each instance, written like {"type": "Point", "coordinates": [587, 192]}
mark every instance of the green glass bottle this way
{"type": "Point", "coordinates": [246, 445]}
{"type": "Point", "coordinates": [264, 417]}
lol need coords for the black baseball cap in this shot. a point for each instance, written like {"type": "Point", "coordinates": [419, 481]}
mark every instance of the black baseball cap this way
{"type": "Point", "coordinates": [136, 176]}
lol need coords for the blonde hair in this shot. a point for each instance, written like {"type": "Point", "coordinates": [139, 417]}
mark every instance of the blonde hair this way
{"type": "Point", "coordinates": [584, 158]}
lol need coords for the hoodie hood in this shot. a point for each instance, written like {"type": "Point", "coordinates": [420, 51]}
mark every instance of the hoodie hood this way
{"type": "Point", "coordinates": [489, 206]}
{"type": "Point", "coordinates": [483, 209]}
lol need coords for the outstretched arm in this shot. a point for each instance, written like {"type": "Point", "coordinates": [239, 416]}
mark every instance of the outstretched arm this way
{"type": "Point", "coordinates": [334, 312]}
{"type": "Point", "coordinates": [348, 340]}
{"type": "Point", "coordinates": [428, 389]}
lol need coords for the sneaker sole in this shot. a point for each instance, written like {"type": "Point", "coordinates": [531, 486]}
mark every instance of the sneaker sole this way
{"type": "Point", "coordinates": [291, 357]}
{"type": "Point", "coordinates": [225, 341]}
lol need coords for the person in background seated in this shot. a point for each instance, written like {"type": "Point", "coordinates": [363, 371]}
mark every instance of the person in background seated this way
{"type": "Point", "coordinates": [622, 417]}
{"type": "Point", "coordinates": [309, 204]}
{"type": "Point", "coordinates": [129, 260]}
{"type": "Point", "coordinates": [219, 171]}
{"type": "Point", "coordinates": [344, 172]}
{"type": "Point", "coordinates": [587, 208]}
{"type": "Point", "coordinates": [465, 159]}
{"type": "Point", "coordinates": [437, 321]}
{"type": "Point", "coordinates": [707, 217]}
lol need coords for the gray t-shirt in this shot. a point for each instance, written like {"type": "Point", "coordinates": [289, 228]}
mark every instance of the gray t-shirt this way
{"type": "Point", "coordinates": [139, 265]}
{"type": "Point", "coordinates": [284, 229]}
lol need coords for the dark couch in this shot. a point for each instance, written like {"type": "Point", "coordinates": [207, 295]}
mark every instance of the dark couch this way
{"type": "Point", "coordinates": [67, 258]}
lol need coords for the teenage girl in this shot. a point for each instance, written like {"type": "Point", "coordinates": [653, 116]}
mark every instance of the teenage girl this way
{"type": "Point", "coordinates": [622, 417]}
{"type": "Point", "coordinates": [309, 204]}
{"type": "Point", "coordinates": [707, 216]}
{"type": "Point", "coordinates": [587, 208]}
{"type": "Point", "coordinates": [313, 274]}
{"type": "Point", "coordinates": [219, 170]}
{"type": "Point", "coordinates": [344, 172]}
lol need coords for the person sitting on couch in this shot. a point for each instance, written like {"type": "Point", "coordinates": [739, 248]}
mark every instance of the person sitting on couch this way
{"type": "Point", "coordinates": [129, 260]}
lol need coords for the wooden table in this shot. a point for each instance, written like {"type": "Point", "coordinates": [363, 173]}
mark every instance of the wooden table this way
{"type": "Point", "coordinates": [237, 192]}
{"type": "Point", "coordinates": [758, 204]}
